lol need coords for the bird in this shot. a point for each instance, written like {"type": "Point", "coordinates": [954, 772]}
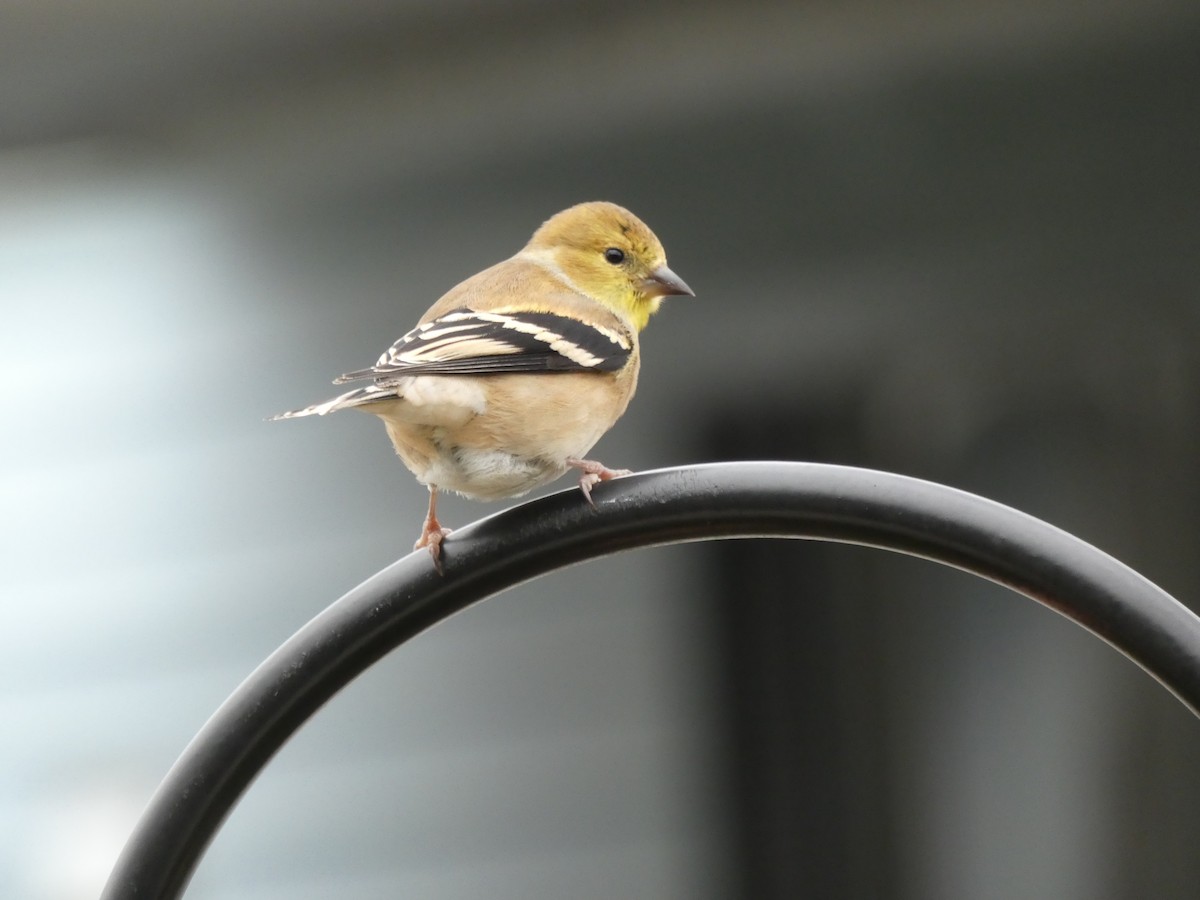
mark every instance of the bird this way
{"type": "Point", "coordinates": [513, 375]}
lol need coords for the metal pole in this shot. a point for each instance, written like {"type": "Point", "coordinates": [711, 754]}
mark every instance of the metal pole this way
{"type": "Point", "coordinates": [753, 499]}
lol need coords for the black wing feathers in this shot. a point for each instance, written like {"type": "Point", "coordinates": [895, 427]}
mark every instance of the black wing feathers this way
{"type": "Point", "coordinates": [465, 342]}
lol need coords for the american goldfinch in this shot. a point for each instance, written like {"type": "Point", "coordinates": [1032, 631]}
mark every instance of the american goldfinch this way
{"type": "Point", "coordinates": [514, 374]}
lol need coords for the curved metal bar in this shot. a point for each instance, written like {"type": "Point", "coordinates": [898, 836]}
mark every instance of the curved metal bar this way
{"type": "Point", "coordinates": [764, 499]}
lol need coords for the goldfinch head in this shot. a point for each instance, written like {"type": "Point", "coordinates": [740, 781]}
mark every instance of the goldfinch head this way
{"type": "Point", "coordinates": [611, 255]}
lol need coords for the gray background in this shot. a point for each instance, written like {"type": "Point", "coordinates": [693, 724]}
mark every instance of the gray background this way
{"type": "Point", "coordinates": [973, 229]}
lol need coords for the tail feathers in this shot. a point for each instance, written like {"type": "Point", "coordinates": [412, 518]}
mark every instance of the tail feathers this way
{"type": "Point", "coordinates": [358, 397]}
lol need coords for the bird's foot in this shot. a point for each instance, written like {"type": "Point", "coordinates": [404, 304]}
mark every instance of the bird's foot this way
{"type": "Point", "coordinates": [432, 535]}
{"type": "Point", "coordinates": [594, 473]}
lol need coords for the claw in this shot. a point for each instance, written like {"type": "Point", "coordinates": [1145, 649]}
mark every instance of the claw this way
{"type": "Point", "coordinates": [594, 473]}
{"type": "Point", "coordinates": [432, 533]}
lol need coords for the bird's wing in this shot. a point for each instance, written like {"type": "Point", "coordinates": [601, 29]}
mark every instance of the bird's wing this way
{"type": "Point", "coordinates": [469, 342]}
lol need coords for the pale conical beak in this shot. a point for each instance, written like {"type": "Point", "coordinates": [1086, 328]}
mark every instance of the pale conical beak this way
{"type": "Point", "coordinates": [664, 283]}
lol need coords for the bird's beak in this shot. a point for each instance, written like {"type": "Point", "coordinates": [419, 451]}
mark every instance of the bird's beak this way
{"type": "Point", "coordinates": [662, 282]}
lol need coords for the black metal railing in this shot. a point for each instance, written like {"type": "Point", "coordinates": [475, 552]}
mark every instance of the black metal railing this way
{"type": "Point", "coordinates": [729, 500]}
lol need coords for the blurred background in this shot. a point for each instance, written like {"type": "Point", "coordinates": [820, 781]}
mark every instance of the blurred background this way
{"type": "Point", "coordinates": [955, 240]}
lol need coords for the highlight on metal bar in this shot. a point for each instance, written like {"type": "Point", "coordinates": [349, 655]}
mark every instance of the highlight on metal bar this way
{"type": "Point", "coordinates": [729, 500]}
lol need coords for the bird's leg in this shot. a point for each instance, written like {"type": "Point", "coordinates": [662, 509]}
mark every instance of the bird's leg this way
{"type": "Point", "coordinates": [593, 474]}
{"type": "Point", "coordinates": [432, 532]}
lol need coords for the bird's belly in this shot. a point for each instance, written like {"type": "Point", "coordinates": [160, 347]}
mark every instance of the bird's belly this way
{"type": "Point", "coordinates": [442, 458]}
{"type": "Point", "coordinates": [519, 440]}
{"type": "Point", "coordinates": [490, 474]}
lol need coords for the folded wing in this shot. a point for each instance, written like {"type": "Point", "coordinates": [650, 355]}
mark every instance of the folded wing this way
{"type": "Point", "coordinates": [467, 342]}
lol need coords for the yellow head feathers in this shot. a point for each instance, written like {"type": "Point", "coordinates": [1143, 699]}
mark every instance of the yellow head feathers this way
{"type": "Point", "coordinates": [611, 255]}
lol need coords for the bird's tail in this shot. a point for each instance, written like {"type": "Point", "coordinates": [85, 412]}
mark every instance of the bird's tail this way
{"type": "Point", "coordinates": [372, 393]}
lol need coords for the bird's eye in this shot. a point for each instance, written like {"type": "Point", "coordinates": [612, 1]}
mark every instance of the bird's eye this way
{"type": "Point", "coordinates": [614, 256]}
